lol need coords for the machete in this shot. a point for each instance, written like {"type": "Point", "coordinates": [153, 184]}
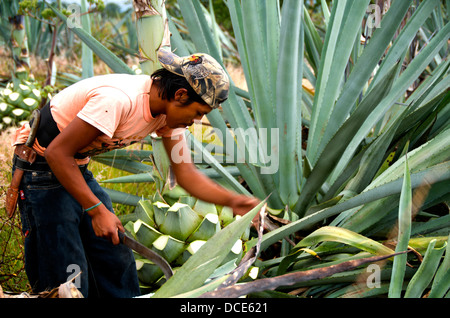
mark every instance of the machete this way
{"type": "Point", "coordinates": [147, 253]}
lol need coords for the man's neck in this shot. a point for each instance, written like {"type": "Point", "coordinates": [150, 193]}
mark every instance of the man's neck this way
{"type": "Point", "coordinates": [156, 104]}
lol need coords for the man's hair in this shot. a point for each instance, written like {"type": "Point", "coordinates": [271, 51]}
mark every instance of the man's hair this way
{"type": "Point", "coordinates": [169, 83]}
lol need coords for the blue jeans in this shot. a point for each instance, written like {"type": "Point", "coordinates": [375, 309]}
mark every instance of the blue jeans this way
{"type": "Point", "coordinates": [60, 241]}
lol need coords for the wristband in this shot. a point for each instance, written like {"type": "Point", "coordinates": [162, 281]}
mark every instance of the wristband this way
{"type": "Point", "coordinates": [93, 207]}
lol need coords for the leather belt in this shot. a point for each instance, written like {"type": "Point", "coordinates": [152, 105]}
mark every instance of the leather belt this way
{"type": "Point", "coordinates": [38, 165]}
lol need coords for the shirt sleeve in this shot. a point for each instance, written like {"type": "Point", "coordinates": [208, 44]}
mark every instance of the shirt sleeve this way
{"type": "Point", "coordinates": [105, 108]}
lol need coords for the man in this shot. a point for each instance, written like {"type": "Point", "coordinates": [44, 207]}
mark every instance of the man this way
{"type": "Point", "coordinates": [66, 216]}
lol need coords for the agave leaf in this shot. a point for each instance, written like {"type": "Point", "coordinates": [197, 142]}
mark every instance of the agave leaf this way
{"type": "Point", "coordinates": [313, 43]}
{"type": "Point", "coordinates": [195, 20]}
{"type": "Point", "coordinates": [133, 178]}
{"type": "Point", "coordinates": [336, 234]}
{"type": "Point", "coordinates": [125, 164]}
{"type": "Point", "coordinates": [405, 37]}
{"type": "Point", "coordinates": [432, 153]}
{"type": "Point", "coordinates": [441, 282]}
{"type": "Point", "coordinates": [415, 68]}
{"type": "Point", "coordinates": [289, 78]}
{"type": "Point", "coordinates": [427, 269]}
{"type": "Point", "coordinates": [203, 289]}
{"type": "Point", "coordinates": [217, 166]}
{"type": "Point", "coordinates": [87, 57]}
{"type": "Point", "coordinates": [122, 197]}
{"type": "Point", "coordinates": [138, 155]}
{"type": "Point", "coordinates": [404, 232]}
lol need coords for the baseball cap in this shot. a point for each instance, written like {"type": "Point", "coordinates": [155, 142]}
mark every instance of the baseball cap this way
{"type": "Point", "coordinates": [206, 76]}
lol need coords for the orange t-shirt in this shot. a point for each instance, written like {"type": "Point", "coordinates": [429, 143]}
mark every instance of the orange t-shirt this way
{"type": "Point", "coordinates": [116, 104]}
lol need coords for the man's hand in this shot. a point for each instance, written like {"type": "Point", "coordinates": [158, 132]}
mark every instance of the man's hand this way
{"type": "Point", "coordinates": [105, 224]}
{"type": "Point", "coordinates": [241, 204]}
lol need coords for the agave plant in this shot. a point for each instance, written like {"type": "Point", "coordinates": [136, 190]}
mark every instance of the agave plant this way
{"type": "Point", "coordinates": [362, 119]}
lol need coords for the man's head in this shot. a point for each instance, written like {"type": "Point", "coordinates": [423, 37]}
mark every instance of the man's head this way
{"type": "Point", "coordinates": [203, 73]}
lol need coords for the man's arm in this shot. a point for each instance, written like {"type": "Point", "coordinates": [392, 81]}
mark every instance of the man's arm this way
{"type": "Point", "coordinates": [199, 185]}
{"type": "Point", "coordinates": [60, 157]}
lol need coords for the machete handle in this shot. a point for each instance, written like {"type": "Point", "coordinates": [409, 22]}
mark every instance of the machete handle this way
{"type": "Point", "coordinates": [121, 236]}
{"type": "Point", "coordinates": [34, 125]}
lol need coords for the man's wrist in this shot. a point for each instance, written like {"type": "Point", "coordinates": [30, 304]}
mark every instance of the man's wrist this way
{"type": "Point", "coordinates": [92, 207]}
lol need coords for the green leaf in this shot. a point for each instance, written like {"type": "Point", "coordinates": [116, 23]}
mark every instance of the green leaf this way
{"type": "Point", "coordinates": [336, 234]}
{"type": "Point", "coordinates": [289, 79]}
{"type": "Point", "coordinates": [426, 271]}
{"type": "Point", "coordinates": [441, 282]}
{"type": "Point", "coordinates": [404, 232]}
{"type": "Point", "coordinates": [122, 197]}
{"type": "Point", "coordinates": [86, 55]}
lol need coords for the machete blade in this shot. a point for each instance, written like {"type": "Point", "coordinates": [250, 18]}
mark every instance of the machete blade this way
{"type": "Point", "coordinates": [147, 253]}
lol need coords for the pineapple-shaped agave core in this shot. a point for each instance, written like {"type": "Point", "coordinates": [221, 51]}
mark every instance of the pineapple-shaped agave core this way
{"type": "Point", "coordinates": [176, 230]}
{"type": "Point", "coordinates": [17, 101]}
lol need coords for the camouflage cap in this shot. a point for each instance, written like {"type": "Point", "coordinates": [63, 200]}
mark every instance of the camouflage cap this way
{"type": "Point", "coordinates": [206, 76]}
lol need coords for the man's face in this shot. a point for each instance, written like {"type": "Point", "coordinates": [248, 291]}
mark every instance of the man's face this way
{"type": "Point", "coordinates": [181, 116]}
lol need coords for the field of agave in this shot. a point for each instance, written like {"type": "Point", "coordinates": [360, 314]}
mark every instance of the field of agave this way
{"type": "Point", "coordinates": [356, 92]}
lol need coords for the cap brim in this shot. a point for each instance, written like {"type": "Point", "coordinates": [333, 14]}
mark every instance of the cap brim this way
{"type": "Point", "coordinates": [170, 61]}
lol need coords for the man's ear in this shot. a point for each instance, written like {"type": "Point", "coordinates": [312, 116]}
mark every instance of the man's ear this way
{"type": "Point", "coordinates": [181, 95]}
